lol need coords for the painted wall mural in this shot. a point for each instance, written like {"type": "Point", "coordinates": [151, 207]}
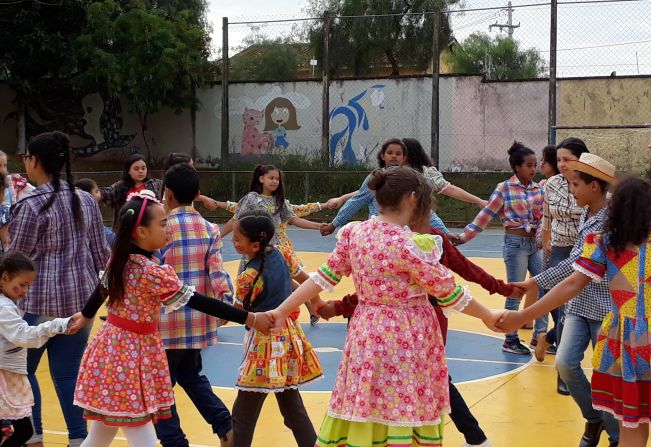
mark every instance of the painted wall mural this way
{"type": "Point", "coordinates": [354, 118]}
{"type": "Point", "coordinates": [102, 125]}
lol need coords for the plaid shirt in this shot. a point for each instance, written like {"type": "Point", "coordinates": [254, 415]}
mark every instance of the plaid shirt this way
{"type": "Point", "coordinates": [67, 255]}
{"type": "Point", "coordinates": [453, 259]}
{"type": "Point", "coordinates": [561, 213]}
{"type": "Point", "coordinates": [594, 300]}
{"type": "Point", "coordinates": [517, 205]}
{"type": "Point", "coordinates": [195, 255]}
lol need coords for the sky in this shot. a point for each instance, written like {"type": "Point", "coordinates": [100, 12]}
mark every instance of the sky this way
{"type": "Point", "coordinates": [593, 39]}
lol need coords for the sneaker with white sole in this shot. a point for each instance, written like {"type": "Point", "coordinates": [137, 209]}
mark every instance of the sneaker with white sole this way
{"type": "Point", "coordinates": [486, 443]}
{"type": "Point", "coordinates": [515, 347]}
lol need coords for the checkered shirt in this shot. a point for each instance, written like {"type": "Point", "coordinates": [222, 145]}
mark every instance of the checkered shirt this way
{"type": "Point", "coordinates": [594, 300]}
{"type": "Point", "coordinates": [195, 255]}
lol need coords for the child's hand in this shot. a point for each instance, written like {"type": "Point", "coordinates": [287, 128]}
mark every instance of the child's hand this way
{"type": "Point", "coordinates": [210, 204]}
{"type": "Point", "coordinates": [331, 204]}
{"type": "Point", "coordinates": [328, 310]}
{"type": "Point", "coordinates": [327, 229]}
{"type": "Point", "coordinates": [316, 303]}
{"type": "Point", "coordinates": [262, 322]}
{"type": "Point", "coordinates": [491, 322]}
{"type": "Point", "coordinates": [510, 321]}
{"type": "Point", "coordinates": [77, 322]}
{"type": "Point", "coordinates": [278, 320]}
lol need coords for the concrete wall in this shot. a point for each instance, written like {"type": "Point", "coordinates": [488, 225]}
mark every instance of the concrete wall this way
{"type": "Point", "coordinates": [478, 120]}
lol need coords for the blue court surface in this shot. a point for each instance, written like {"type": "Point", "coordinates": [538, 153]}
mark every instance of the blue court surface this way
{"type": "Point", "coordinates": [487, 245]}
{"type": "Point", "coordinates": [471, 356]}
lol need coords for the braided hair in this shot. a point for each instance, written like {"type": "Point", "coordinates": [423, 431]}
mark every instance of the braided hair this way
{"type": "Point", "coordinates": [52, 151]}
{"type": "Point", "coordinates": [257, 226]}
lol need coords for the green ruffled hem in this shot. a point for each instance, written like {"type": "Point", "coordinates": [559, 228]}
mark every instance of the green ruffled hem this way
{"type": "Point", "coordinates": [340, 433]}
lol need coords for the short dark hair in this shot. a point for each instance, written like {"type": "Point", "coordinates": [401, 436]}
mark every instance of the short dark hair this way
{"type": "Point", "coordinates": [587, 178]}
{"type": "Point", "coordinates": [183, 181]}
{"type": "Point", "coordinates": [575, 145]}
{"type": "Point", "coordinates": [14, 262]}
{"type": "Point", "coordinates": [549, 157]}
{"type": "Point", "coordinates": [86, 184]}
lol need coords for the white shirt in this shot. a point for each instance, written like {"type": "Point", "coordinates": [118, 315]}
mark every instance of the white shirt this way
{"type": "Point", "coordinates": [16, 335]}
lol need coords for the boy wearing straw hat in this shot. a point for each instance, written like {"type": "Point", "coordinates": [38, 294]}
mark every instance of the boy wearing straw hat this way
{"type": "Point", "coordinates": [584, 313]}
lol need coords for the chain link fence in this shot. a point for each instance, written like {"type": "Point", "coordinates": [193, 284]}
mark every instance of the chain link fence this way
{"type": "Point", "coordinates": [328, 90]}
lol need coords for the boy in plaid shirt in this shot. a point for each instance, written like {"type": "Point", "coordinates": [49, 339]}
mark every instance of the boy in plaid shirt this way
{"type": "Point", "coordinates": [194, 251]}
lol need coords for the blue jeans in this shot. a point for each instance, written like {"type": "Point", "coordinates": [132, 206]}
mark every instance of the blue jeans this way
{"type": "Point", "coordinates": [64, 353]}
{"type": "Point", "coordinates": [185, 369]}
{"type": "Point", "coordinates": [578, 332]}
{"type": "Point", "coordinates": [521, 254]}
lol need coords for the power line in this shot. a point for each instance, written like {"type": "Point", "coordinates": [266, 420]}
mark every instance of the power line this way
{"type": "Point", "coordinates": [599, 46]}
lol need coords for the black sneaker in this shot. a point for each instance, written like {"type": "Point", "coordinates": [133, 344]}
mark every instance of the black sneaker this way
{"type": "Point", "coordinates": [515, 347]}
{"type": "Point", "coordinates": [314, 319]}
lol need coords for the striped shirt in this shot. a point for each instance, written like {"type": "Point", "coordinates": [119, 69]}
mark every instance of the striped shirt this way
{"type": "Point", "coordinates": [594, 300]}
{"type": "Point", "coordinates": [195, 255]}
{"type": "Point", "coordinates": [68, 256]}
{"type": "Point", "coordinates": [518, 207]}
{"type": "Point", "coordinates": [561, 214]}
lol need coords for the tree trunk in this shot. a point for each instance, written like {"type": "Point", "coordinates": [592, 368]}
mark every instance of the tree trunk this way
{"type": "Point", "coordinates": [395, 70]}
{"type": "Point", "coordinates": [142, 117]}
{"type": "Point", "coordinates": [22, 131]}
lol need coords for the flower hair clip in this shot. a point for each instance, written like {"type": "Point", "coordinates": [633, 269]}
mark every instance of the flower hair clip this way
{"type": "Point", "coordinates": [144, 194]}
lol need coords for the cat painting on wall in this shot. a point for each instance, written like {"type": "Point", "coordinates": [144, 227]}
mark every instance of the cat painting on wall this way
{"type": "Point", "coordinates": [254, 142]}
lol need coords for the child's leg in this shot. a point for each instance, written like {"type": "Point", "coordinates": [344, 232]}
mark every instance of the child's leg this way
{"type": "Point", "coordinates": [463, 418]}
{"type": "Point", "coordinates": [246, 411]}
{"type": "Point", "coordinates": [632, 437]}
{"type": "Point", "coordinates": [99, 435]}
{"type": "Point", "coordinates": [22, 432]}
{"type": "Point", "coordinates": [141, 436]}
{"type": "Point", "coordinates": [296, 418]}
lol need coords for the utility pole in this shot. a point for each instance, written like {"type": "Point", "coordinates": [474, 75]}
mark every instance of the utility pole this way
{"type": "Point", "coordinates": [510, 27]}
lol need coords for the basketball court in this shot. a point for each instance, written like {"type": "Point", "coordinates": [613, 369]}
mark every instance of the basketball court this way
{"type": "Point", "coordinates": [513, 397]}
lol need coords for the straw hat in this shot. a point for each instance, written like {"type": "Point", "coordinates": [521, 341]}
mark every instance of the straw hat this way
{"type": "Point", "coordinates": [595, 166]}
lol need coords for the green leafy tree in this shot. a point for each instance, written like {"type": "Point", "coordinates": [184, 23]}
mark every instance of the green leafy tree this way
{"type": "Point", "coordinates": [497, 58]}
{"type": "Point", "coordinates": [155, 57]}
{"type": "Point", "coordinates": [359, 44]}
{"type": "Point", "coordinates": [264, 59]}
{"type": "Point", "coordinates": [37, 51]}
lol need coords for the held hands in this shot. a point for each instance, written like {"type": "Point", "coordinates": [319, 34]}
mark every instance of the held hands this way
{"type": "Point", "coordinates": [261, 322]}
{"type": "Point", "coordinates": [510, 321]}
{"type": "Point", "coordinates": [210, 204]}
{"type": "Point", "coordinates": [492, 321]}
{"type": "Point", "coordinates": [332, 204]}
{"type": "Point", "coordinates": [327, 311]}
{"type": "Point", "coordinates": [327, 229]}
{"type": "Point", "coordinates": [76, 323]}
{"type": "Point", "coordinates": [525, 286]}
{"type": "Point", "coordinates": [455, 239]}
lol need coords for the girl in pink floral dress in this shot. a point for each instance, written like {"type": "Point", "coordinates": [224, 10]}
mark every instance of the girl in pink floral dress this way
{"type": "Point", "coordinates": [124, 377]}
{"type": "Point", "coordinates": [392, 385]}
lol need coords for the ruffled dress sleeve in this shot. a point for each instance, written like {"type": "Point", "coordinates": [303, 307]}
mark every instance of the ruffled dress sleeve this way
{"type": "Point", "coordinates": [592, 262]}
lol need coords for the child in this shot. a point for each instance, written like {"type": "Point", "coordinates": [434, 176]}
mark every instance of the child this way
{"type": "Point", "coordinates": [194, 251]}
{"type": "Point", "coordinates": [281, 232]}
{"type": "Point", "coordinates": [392, 383]}
{"type": "Point", "coordinates": [268, 193]}
{"type": "Point", "coordinates": [16, 399]}
{"type": "Point", "coordinates": [585, 312]}
{"type": "Point", "coordinates": [20, 187]}
{"type": "Point", "coordinates": [124, 378]}
{"type": "Point", "coordinates": [453, 259]}
{"type": "Point", "coordinates": [89, 185]}
{"type": "Point", "coordinates": [276, 363]}
{"type": "Point", "coordinates": [518, 202]}
{"type": "Point", "coordinates": [135, 178]}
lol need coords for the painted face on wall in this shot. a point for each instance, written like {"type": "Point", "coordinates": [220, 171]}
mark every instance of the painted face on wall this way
{"type": "Point", "coordinates": [280, 115]}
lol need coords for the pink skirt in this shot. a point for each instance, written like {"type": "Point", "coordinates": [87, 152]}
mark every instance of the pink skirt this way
{"type": "Point", "coordinates": [16, 398]}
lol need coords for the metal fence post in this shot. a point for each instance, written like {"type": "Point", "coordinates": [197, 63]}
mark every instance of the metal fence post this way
{"type": "Point", "coordinates": [434, 129]}
{"type": "Point", "coordinates": [307, 187]}
{"type": "Point", "coordinates": [225, 135]}
{"type": "Point", "coordinates": [552, 72]}
{"type": "Point", "coordinates": [325, 95]}
{"type": "Point", "coordinates": [233, 187]}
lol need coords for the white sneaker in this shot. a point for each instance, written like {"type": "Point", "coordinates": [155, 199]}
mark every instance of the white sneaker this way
{"type": "Point", "coordinates": [486, 443]}
{"type": "Point", "coordinates": [34, 439]}
{"type": "Point", "coordinates": [75, 442]}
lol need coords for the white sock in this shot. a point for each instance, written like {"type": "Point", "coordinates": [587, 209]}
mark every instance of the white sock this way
{"type": "Point", "coordinates": [99, 435]}
{"type": "Point", "coordinates": [141, 436]}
